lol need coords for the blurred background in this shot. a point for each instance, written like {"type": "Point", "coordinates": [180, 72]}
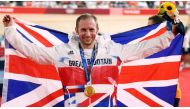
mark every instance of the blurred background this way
{"type": "Point", "coordinates": [61, 15]}
{"type": "Point", "coordinates": [113, 17]}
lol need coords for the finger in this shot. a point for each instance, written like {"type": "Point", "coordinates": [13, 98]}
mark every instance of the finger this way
{"type": "Point", "coordinates": [6, 20]}
{"type": "Point", "coordinates": [8, 17]}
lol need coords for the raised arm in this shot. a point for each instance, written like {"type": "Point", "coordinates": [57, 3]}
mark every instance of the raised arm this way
{"type": "Point", "coordinates": [173, 17]}
{"type": "Point", "coordinates": [143, 49]}
{"type": "Point", "coordinates": [43, 55]}
{"type": "Point", "coordinates": [149, 47]}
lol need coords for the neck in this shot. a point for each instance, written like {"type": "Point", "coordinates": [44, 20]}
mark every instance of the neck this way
{"type": "Point", "coordinates": [85, 46]}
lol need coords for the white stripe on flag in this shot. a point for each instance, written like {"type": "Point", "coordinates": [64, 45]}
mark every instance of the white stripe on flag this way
{"type": "Point", "coordinates": [162, 25]}
{"type": "Point", "coordinates": [46, 87]}
{"type": "Point", "coordinates": [153, 97]}
{"type": "Point", "coordinates": [129, 100]}
{"type": "Point", "coordinates": [157, 83]}
{"type": "Point", "coordinates": [20, 77]}
{"type": "Point", "coordinates": [13, 52]}
{"type": "Point", "coordinates": [103, 88]}
{"type": "Point", "coordinates": [29, 98]}
{"type": "Point", "coordinates": [55, 101]}
{"type": "Point", "coordinates": [99, 100]}
{"type": "Point", "coordinates": [47, 35]}
{"type": "Point", "coordinates": [34, 40]}
{"type": "Point", "coordinates": [174, 58]}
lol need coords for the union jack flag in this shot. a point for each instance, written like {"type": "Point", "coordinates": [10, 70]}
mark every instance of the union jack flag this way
{"type": "Point", "coordinates": [151, 81]}
{"type": "Point", "coordinates": [27, 81]}
{"type": "Point", "coordinates": [146, 82]}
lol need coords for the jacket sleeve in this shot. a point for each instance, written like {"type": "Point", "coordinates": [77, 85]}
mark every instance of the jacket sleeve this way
{"type": "Point", "coordinates": [130, 52]}
{"type": "Point", "coordinates": [42, 55]}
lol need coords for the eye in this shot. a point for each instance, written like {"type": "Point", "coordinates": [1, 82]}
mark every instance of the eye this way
{"type": "Point", "coordinates": [83, 29]}
{"type": "Point", "coordinates": [92, 30]}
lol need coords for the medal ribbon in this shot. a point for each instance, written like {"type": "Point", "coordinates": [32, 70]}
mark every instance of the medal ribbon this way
{"type": "Point", "coordinates": [84, 61]}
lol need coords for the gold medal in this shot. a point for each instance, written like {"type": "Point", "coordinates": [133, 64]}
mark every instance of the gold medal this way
{"type": "Point", "coordinates": [89, 91]}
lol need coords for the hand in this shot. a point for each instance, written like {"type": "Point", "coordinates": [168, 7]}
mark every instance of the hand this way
{"type": "Point", "coordinates": [176, 17]}
{"type": "Point", "coordinates": [172, 17]}
{"type": "Point", "coordinates": [169, 12]}
{"type": "Point", "coordinates": [180, 28]}
{"type": "Point", "coordinates": [7, 21]}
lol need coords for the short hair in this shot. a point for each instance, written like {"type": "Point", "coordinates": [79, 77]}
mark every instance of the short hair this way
{"type": "Point", "coordinates": [156, 19]}
{"type": "Point", "coordinates": [86, 16]}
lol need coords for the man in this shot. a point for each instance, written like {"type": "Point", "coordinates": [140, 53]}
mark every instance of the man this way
{"type": "Point", "coordinates": [89, 66]}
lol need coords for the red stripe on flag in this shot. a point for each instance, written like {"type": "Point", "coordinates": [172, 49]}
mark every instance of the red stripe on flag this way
{"type": "Point", "coordinates": [91, 99]}
{"type": "Point", "coordinates": [161, 71]}
{"type": "Point", "coordinates": [26, 66]}
{"type": "Point", "coordinates": [47, 99]}
{"type": "Point", "coordinates": [76, 76]}
{"type": "Point", "coordinates": [100, 74]}
{"type": "Point", "coordinates": [160, 32]}
{"type": "Point", "coordinates": [68, 91]}
{"type": "Point", "coordinates": [143, 98]}
{"type": "Point", "coordinates": [36, 35]}
{"type": "Point", "coordinates": [2, 51]}
{"type": "Point", "coordinates": [72, 76]}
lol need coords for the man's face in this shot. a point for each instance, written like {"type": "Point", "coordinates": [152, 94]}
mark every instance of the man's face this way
{"type": "Point", "coordinates": [87, 30]}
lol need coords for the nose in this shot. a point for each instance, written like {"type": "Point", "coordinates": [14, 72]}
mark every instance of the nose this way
{"type": "Point", "coordinates": [87, 33]}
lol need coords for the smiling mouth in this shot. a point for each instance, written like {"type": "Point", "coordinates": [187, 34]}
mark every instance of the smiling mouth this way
{"type": "Point", "coordinates": [87, 39]}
